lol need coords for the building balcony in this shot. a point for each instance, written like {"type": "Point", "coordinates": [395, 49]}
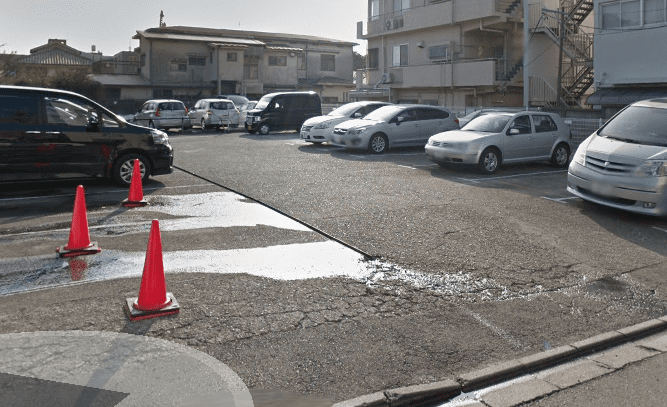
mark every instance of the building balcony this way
{"type": "Point", "coordinates": [460, 73]}
{"type": "Point", "coordinates": [426, 14]}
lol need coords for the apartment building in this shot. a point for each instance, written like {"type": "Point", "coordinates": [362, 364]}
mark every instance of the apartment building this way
{"type": "Point", "coordinates": [445, 52]}
{"type": "Point", "coordinates": [630, 57]}
{"type": "Point", "coordinates": [201, 62]}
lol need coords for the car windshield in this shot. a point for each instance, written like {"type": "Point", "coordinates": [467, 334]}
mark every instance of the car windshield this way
{"type": "Point", "coordinates": [384, 114]}
{"type": "Point", "coordinates": [263, 102]}
{"type": "Point", "coordinates": [488, 123]}
{"type": "Point", "coordinates": [638, 124]}
{"type": "Point", "coordinates": [248, 106]}
{"type": "Point", "coordinates": [345, 110]}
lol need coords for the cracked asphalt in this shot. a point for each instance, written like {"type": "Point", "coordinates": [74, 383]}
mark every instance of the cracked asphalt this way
{"type": "Point", "coordinates": [468, 273]}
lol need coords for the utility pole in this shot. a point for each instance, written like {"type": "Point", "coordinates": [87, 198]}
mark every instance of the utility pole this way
{"type": "Point", "coordinates": [561, 34]}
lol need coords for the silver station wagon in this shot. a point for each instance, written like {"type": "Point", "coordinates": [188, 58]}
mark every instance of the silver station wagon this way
{"type": "Point", "coordinates": [394, 126]}
{"type": "Point", "coordinates": [624, 163]}
{"type": "Point", "coordinates": [499, 138]}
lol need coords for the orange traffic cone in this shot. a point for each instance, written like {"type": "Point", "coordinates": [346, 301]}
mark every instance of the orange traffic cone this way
{"type": "Point", "coordinates": [79, 237]}
{"type": "Point", "coordinates": [153, 300]}
{"type": "Point", "coordinates": [136, 196]}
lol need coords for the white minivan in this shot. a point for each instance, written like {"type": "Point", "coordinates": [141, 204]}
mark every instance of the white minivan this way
{"type": "Point", "coordinates": [219, 113]}
{"type": "Point", "coordinates": [624, 163]}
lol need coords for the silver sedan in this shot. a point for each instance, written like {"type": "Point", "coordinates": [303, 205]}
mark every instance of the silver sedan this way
{"type": "Point", "coordinates": [498, 138]}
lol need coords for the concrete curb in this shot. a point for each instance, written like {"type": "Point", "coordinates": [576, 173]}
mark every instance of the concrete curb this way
{"type": "Point", "coordinates": [440, 392]}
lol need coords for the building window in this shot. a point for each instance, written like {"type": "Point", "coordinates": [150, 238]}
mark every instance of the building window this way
{"type": "Point", "coordinates": [211, 57]}
{"type": "Point", "coordinates": [197, 61]}
{"type": "Point", "coordinates": [113, 93]}
{"type": "Point", "coordinates": [400, 6]}
{"type": "Point", "coordinates": [617, 14]}
{"type": "Point", "coordinates": [655, 11]}
{"type": "Point", "coordinates": [373, 58]}
{"type": "Point", "coordinates": [301, 61]}
{"type": "Point", "coordinates": [400, 55]}
{"type": "Point", "coordinates": [232, 56]}
{"type": "Point", "coordinates": [277, 61]}
{"type": "Point", "coordinates": [178, 66]}
{"type": "Point", "coordinates": [438, 52]}
{"type": "Point", "coordinates": [250, 72]}
{"type": "Point", "coordinates": [328, 62]}
{"type": "Point", "coordinates": [375, 10]}
{"type": "Point", "coordinates": [142, 60]}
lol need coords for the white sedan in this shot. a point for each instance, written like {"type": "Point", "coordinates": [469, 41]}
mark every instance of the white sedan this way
{"type": "Point", "coordinates": [320, 129]}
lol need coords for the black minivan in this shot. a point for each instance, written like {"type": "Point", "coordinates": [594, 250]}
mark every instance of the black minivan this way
{"type": "Point", "coordinates": [48, 134]}
{"type": "Point", "coordinates": [283, 111]}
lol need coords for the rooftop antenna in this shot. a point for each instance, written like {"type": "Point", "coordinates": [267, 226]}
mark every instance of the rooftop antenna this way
{"type": "Point", "coordinates": [162, 23]}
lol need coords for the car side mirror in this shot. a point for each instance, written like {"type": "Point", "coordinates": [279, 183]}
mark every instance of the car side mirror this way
{"type": "Point", "coordinates": [357, 115]}
{"type": "Point", "coordinates": [400, 120]}
{"type": "Point", "coordinates": [513, 132]}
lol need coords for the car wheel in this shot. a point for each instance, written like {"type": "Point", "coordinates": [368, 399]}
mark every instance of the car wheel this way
{"type": "Point", "coordinates": [264, 129]}
{"type": "Point", "coordinates": [489, 161]}
{"type": "Point", "coordinates": [561, 156]}
{"type": "Point", "coordinates": [122, 171]}
{"type": "Point", "coordinates": [378, 143]}
{"type": "Point", "coordinates": [203, 124]}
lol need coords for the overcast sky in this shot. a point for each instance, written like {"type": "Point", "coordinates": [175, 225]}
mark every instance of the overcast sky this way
{"type": "Point", "coordinates": [110, 25]}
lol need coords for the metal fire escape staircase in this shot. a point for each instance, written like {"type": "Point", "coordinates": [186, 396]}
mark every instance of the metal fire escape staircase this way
{"type": "Point", "coordinates": [577, 74]}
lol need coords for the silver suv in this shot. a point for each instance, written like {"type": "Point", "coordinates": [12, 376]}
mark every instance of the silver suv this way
{"type": "Point", "coordinates": [624, 163]}
{"type": "Point", "coordinates": [163, 114]}
{"type": "Point", "coordinates": [394, 126]}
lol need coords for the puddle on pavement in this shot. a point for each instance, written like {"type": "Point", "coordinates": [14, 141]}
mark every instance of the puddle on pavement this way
{"type": "Point", "coordinates": [289, 262]}
{"type": "Point", "coordinates": [186, 212]}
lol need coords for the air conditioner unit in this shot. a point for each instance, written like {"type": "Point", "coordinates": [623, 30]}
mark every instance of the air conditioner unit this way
{"type": "Point", "coordinates": [388, 24]}
{"type": "Point", "coordinates": [397, 22]}
{"type": "Point", "coordinates": [386, 78]}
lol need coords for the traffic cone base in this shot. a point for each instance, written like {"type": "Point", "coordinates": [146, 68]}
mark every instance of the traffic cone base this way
{"type": "Point", "coordinates": [136, 196]}
{"type": "Point", "coordinates": [135, 314]}
{"type": "Point", "coordinates": [134, 204]}
{"type": "Point", "coordinates": [65, 251]}
{"type": "Point", "coordinates": [79, 237]}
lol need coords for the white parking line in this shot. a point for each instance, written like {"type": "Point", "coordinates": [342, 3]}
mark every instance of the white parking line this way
{"type": "Point", "coordinates": [660, 229]}
{"type": "Point", "coordinates": [513, 176]}
{"type": "Point", "coordinates": [406, 166]}
{"type": "Point", "coordinates": [561, 199]}
{"type": "Point", "coordinates": [357, 156]}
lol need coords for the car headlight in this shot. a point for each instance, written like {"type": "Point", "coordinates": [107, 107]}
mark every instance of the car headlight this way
{"type": "Point", "coordinates": [580, 156]}
{"type": "Point", "coordinates": [320, 126]}
{"type": "Point", "coordinates": [653, 168]}
{"type": "Point", "coordinates": [159, 137]}
{"type": "Point", "coordinates": [357, 131]}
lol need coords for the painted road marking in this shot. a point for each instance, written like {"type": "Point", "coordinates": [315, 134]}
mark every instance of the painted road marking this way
{"type": "Point", "coordinates": [660, 229]}
{"type": "Point", "coordinates": [560, 200]}
{"type": "Point", "coordinates": [513, 176]}
{"type": "Point", "coordinates": [406, 166]}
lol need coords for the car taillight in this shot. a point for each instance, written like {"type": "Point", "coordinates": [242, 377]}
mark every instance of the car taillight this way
{"type": "Point", "coordinates": [157, 112]}
{"type": "Point", "coordinates": [209, 112]}
{"type": "Point", "coordinates": [186, 110]}
{"type": "Point", "coordinates": [457, 121]}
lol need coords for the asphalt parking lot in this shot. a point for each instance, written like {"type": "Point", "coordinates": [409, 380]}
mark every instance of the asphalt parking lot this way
{"type": "Point", "coordinates": [467, 269]}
